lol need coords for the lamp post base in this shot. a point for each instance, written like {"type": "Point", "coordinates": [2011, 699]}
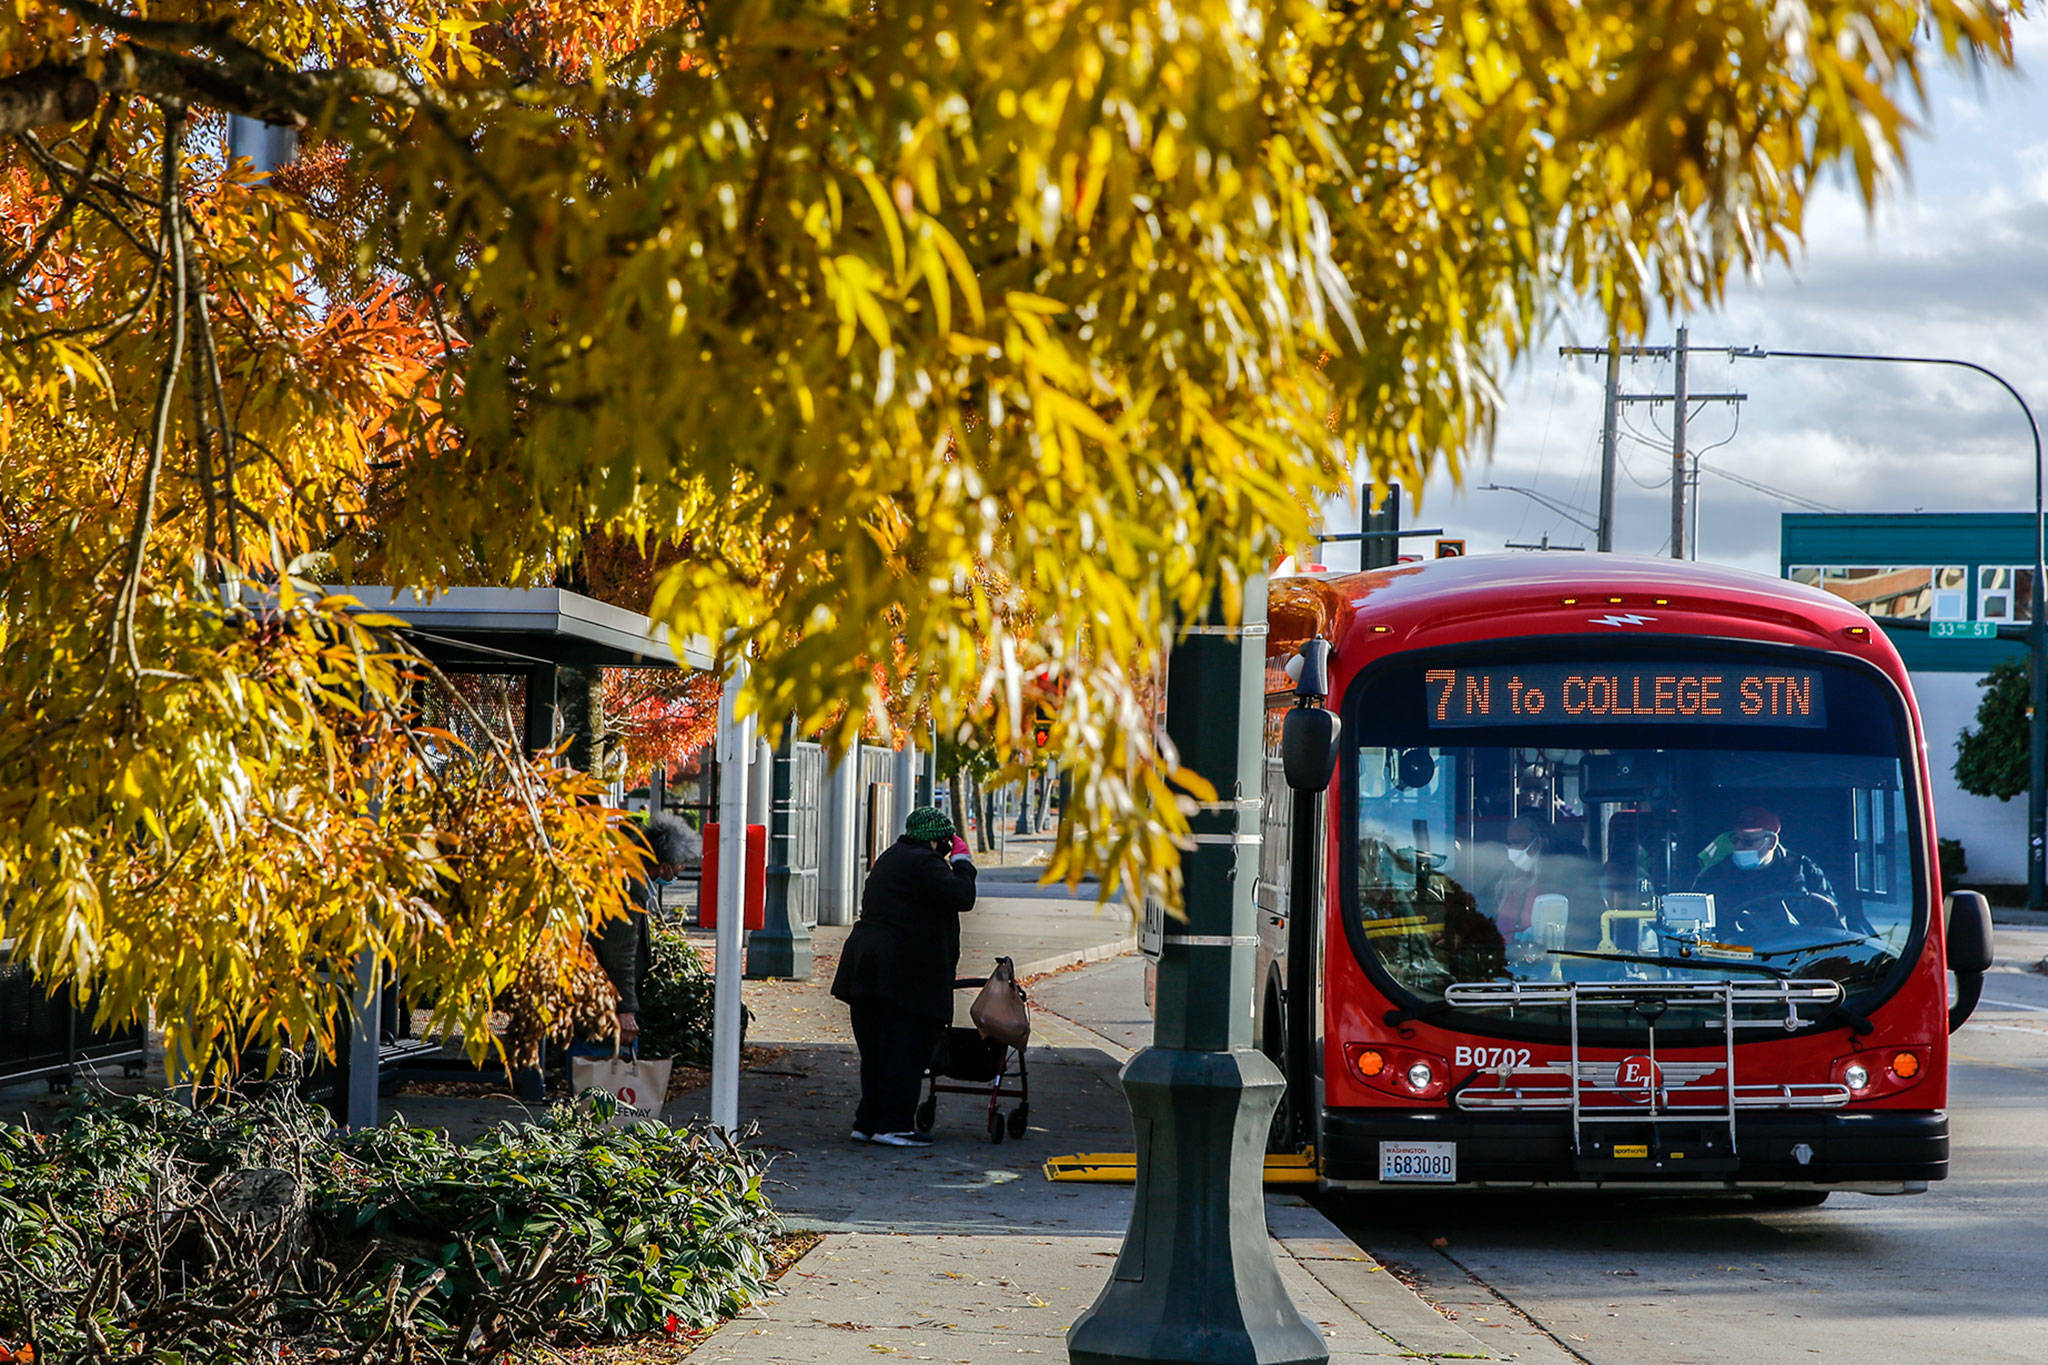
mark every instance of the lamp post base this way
{"type": "Point", "coordinates": [1196, 1281]}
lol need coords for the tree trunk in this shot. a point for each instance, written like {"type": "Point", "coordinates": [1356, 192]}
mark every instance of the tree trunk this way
{"type": "Point", "coordinates": [981, 844]}
{"type": "Point", "coordinates": [580, 699]}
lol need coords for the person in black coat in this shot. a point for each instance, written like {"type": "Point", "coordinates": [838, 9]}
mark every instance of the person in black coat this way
{"type": "Point", "coordinates": [1760, 885]}
{"type": "Point", "coordinates": [896, 972]}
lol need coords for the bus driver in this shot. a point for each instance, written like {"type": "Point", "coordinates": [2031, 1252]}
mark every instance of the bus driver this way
{"type": "Point", "coordinates": [1758, 883]}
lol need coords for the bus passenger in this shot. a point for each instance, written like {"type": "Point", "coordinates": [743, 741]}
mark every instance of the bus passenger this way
{"type": "Point", "coordinates": [1758, 883]}
{"type": "Point", "coordinates": [1531, 869]}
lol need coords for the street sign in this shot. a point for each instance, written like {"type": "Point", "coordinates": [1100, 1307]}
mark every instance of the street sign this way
{"type": "Point", "coordinates": [1962, 630]}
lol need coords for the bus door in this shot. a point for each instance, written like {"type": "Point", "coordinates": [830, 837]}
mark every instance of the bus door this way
{"type": "Point", "coordinates": [1289, 901]}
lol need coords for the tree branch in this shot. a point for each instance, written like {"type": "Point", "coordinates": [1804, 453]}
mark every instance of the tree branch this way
{"type": "Point", "coordinates": [243, 81]}
{"type": "Point", "coordinates": [61, 219]}
{"type": "Point", "coordinates": [123, 632]}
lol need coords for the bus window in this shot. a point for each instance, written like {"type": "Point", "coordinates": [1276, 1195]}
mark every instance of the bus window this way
{"type": "Point", "coordinates": [1557, 846]}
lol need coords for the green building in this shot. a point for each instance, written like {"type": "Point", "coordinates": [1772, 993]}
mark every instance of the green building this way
{"type": "Point", "coordinates": [1944, 568]}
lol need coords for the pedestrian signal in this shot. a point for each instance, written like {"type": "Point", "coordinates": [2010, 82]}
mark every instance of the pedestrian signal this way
{"type": "Point", "coordinates": [1450, 549]}
{"type": "Point", "coordinates": [1041, 728]}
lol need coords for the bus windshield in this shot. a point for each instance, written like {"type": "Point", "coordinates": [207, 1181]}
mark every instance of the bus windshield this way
{"type": "Point", "coordinates": [1639, 819]}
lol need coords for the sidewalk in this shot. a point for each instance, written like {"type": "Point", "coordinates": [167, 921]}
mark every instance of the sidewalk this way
{"type": "Point", "coordinates": [964, 1252]}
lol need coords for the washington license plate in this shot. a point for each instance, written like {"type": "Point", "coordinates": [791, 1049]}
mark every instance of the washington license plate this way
{"type": "Point", "coordinates": [1431, 1162]}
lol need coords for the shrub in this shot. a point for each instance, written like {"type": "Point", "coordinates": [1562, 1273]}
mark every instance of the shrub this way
{"type": "Point", "coordinates": [675, 1004]}
{"type": "Point", "coordinates": [1953, 863]}
{"type": "Point", "coordinates": [125, 1236]}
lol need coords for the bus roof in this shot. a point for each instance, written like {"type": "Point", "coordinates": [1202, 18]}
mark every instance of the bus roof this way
{"type": "Point", "coordinates": [1481, 597]}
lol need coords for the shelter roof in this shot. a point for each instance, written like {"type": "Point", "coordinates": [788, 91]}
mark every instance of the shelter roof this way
{"type": "Point", "coordinates": [520, 627]}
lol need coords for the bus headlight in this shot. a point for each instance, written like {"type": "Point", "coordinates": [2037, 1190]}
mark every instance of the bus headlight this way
{"type": "Point", "coordinates": [1856, 1076]}
{"type": "Point", "coordinates": [1421, 1076]}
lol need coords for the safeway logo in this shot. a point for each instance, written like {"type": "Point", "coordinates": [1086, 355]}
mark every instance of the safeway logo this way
{"type": "Point", "coordinates": [1618, 619]}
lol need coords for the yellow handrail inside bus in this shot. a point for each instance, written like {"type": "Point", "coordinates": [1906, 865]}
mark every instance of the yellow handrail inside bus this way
{"type": "Point", "coordinates": [1121, 1168]}
{"type": "Point", "coordinates": [1607, 919]}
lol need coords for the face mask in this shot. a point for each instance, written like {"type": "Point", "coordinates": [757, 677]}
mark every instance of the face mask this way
{"type": "Point", "coordinates": [1523, 859]}
{"type": "Point", "coordinates": [1748, 857]}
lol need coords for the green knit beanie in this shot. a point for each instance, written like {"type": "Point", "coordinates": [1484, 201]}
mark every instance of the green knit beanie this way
{"type": "Point", "coordinates": [927, 823]}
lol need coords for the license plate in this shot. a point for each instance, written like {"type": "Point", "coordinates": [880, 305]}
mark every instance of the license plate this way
{"type": "Point", "coordinates": [1429, 1162]}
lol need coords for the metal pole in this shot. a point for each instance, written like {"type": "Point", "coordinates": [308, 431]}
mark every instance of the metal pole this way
{"type": "Point", "coordinates": [903, 777]}
{"type": "Point", "coordinates": [2037, 629]}
{"type": "Point", "coordinates": [1196, 1280]}
{"type": "Point", "coordinates": [1610, 438]}
{"type": "Point", "coordinates": [1678, 404]}
{"type": "Point", "coordinates": [735, 750]}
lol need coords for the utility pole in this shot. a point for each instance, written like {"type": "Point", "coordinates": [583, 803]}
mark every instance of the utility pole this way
{"type": "Point", "coordinates": [1678, 410]}
{"type": "Point", "coordinates": [1681, 398]}
{"type": "Point", "coordinates": [1610, 441]}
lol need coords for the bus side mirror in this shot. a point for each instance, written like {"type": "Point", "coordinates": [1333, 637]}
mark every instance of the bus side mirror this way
{"type": "Point", "coordinates": [1969, 933]}
{"type": "Point", "coordinates": [1308, 748]}
{"type": "Point", "coordinates": [1969, 951]}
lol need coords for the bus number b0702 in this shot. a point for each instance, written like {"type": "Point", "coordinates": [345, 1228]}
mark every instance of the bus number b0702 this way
{"type": "Point", "coordinates": [1491, 1058]}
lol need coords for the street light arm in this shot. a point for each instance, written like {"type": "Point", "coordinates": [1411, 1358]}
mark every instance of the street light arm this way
{"type": "Point", "coordinates": [2033, 427]}
{"type": "Point", "coordinates": [1563, 509]}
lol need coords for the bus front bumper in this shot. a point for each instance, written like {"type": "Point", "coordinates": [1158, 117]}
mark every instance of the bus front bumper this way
{"type": "Point", "coordinates": [1875, 1150]}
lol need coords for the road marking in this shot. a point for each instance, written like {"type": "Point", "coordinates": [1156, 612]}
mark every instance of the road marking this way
{"type": "Point", "coordinates": [2002, 1066]}
{"type": "Point", "coordinates": [2012, 1005]}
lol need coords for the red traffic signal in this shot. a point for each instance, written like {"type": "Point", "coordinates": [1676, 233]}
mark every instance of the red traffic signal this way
{"type": "Point", "coordinates": [1450, 549]}
{"type": "Point", "coordinates": [1041, 727]}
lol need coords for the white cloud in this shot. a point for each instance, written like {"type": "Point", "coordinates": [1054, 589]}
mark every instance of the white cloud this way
{"type": "Point", "coordinates": [1953, 264]}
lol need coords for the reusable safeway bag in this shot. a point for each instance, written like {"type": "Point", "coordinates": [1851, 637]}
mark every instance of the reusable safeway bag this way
{"type": "Point", "coordinates": [999, 1010]}
{"type": "Point", "coordinates": [638, 1084]}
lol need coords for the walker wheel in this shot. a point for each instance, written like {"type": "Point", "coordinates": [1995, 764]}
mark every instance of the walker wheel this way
{"type": "Point", "coordinates": [1019, 1117]}
{"type": "Point", "coordinates": [927, 1113]}
{"type": "Point", "coordinates": [995, 1126]}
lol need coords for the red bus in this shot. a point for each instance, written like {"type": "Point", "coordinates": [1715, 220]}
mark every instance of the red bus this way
{"type": "Point", "coordinates": [1622, 872]}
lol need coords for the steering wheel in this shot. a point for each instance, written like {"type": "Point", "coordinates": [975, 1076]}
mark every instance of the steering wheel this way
{"type": "Point", "coordinates": [1777, 912]}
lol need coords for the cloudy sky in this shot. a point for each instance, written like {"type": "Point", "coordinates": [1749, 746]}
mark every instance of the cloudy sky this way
{"type": "Point", "coordinates": [1955, 263]}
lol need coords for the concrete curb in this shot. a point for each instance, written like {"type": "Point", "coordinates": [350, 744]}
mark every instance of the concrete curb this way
{"type": "Point", "coordinates": [1359, 1282]}
{"type": "Point", "coordinates": [1101, 952]}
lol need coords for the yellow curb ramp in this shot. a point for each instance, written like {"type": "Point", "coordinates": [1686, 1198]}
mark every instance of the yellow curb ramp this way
{"type": "Point", "coordinates": [1121, 1168]}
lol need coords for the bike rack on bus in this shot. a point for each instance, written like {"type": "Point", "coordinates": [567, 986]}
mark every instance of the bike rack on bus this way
{"type": "Point", "coordinates": [1649, 1000]}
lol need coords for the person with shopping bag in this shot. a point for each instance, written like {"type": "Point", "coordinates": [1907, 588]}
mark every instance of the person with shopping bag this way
{"type": "Point", "coordinates": [624, 948]}
{"type": "Point", "coordinates": [896, 972]}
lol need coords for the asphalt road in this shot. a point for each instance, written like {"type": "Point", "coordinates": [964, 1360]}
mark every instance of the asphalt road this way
{"type": "Point", "coordinates": [1957, 1274]}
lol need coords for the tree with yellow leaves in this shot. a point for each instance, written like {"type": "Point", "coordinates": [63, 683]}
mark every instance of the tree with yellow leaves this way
{"type": "Point", "coordinates": [828, 303]}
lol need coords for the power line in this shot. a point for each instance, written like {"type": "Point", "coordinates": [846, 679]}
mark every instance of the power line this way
{"type": "Point", "coordinates": [1783, 495]}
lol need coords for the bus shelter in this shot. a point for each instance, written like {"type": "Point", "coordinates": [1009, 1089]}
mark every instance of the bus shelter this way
{"type": "Point", "coordinates": [526, 636]}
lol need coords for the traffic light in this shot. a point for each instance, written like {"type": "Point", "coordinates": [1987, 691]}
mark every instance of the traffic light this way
{"type": "Point", "coordinates": [1041, 727]}
{"type": "Point", "coordinates": [1450, 549]}
{"type": "Point", "coordinates": [1381, 520]}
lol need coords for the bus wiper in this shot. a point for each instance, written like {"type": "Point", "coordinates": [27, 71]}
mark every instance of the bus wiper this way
{"type": "Point", "coordinates": [1693, 964]}
{"type": "Point", "coordinates": [1816, 948]}
{"type": "Point", "coordinates": [1862, 1026]}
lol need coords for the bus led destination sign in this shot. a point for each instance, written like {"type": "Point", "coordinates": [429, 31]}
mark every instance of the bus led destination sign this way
{"type": "Point", "coordinates": [1677, 694]}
